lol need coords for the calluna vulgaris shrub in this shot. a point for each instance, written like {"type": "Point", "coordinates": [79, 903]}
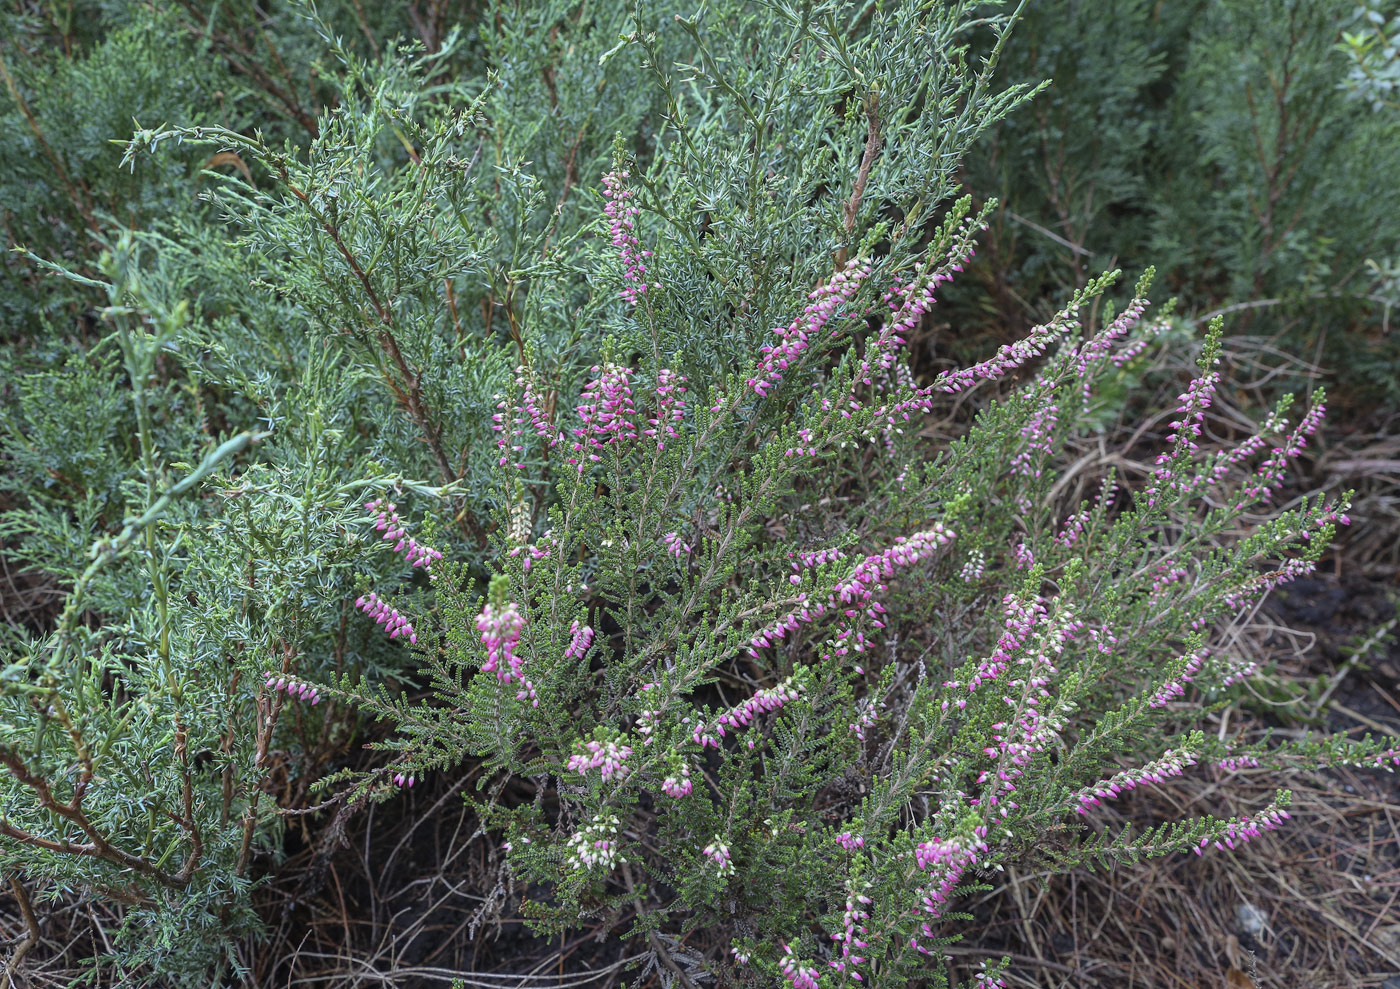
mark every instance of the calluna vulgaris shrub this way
{"type": "Point", "coordinates": [622, 448]}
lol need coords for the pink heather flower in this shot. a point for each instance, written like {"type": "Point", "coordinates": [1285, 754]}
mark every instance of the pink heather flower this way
{"type": "Point", "coordinates": [1022, 618]}
{"type": "Point", "coordinates": [1036, 432]}
{"type": "Point", "coordinates": [500, 632]}
{"type": "Point", "coordinates": [301, 691]}
{"type": "Point", "coordinates": [740, 957]}
{"type": "Point", "coordinates": [610, 756]}
{"type": "Point", "coordinates": [1244, 829]}
{"type": "Point", "coordinates": [826, 303]}
{"type": "Point", "coordinates": [1025, 559]}
{"type": "Point", "coordinates": [580, 641]}
{"type": "Point", "coordinates": [855, 595]}
{"type": "Point", "coordinates": [1185, 430]}
{"type": "Point", "coordinates": [400, 780]}
{"type": "Point", "coordinates": [607, 412]}
{"type": "Point", "coordinates": [1102, 343]}
{"type": "Point", "coordinates": [621, 216]}
{"type": "Point", "coordinates": [1270, 474]}
{"type": "Point", "coordinates": [1175, 687]}
{"type": "Point", "coordinates": [1383, 760]}
{"type": "Point", "coordinates": [852, 934]}
{"type": "Point", "coordinates": [1235, 763]}
{"type": "Point", "coordinates": [797, 974]}
{"type": "Point", "coordinates": [742, 715]}
{"type": "Point", "coordinates": [538, 551]}
{"type": "Point", "coordinates": [1012, 355]}
{"type": "Point", "coordinates": [1172, 763]}
{"type": "Point", "coordinates": [945, 860]}
{"type": "Point", "coordinates": [850, 842]}
{"type": "Point", "coordinates": [974, 568]}
{"type": "Point", "coordinates": [670, 407]}
{"type": "Point", "coordinates": [513, 419]}
{"type": "Point", "coordinates": [1029, 729]}
{"type": "Point", "coordinates": [1073, 529]}
{"type": "Point", "coordinates": [389, 522]}
{"type": "Point", "coordinates": [718, 853]}
{"type": "Point", "coordinates": [674, 545]}
{"type": "Point", "coordinates": [909, 301]}
{"type": "Point", "coordinates": [394, 623]}
{"type": "Point", "coordinates": [595, 844]}
{"type": "Point", "coordinates": [677, 785]}
{"type": "Point", "coordinates": [869, 713]}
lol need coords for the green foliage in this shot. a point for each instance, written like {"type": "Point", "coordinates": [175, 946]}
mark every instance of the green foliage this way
{"type": "Point", "coordinates": [240, 329]}
{"type": "Point", "coordinates": [1215, 139]}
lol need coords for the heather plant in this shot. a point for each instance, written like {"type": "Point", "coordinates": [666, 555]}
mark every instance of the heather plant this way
{"type": "Point", "coordinates": [560, 417]}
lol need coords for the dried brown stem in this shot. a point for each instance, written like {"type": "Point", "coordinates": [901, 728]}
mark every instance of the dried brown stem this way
{"type": "Point", "coordinates": [867, 161]}
{"type": "Point", "coordinates": [31, 934]}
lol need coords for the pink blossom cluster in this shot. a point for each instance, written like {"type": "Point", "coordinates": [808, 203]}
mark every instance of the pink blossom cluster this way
{"type": "Point", "coordinates": [1073, 529]}
{"type": "Point", "coordinates": [825, 303]}
{"type": "Point", "coordinates": [580, 641]}
{"type": "Point", "coordinates": [1234, 763]}
{"type": "Point", "coordinates": [1165, 575]}
{"type": "Point", "coordinates": [815, 558]}
{"type": "Point", "coordinates": [670, 407]}
{"type": "Point", "coordinates": [742, 715]}
{"type": "Point", "coordinates": [909, 302]}
{"type": "Point", "coordinates": [1136, 346]}
{"type": "Point", "coordinates": [622, 226]}
{"type": "Point", "coordinates": [1021, 619]}
{"type": "Point", "coordinates": [850, 842]}
{"type": "Point", "coordinates": [302, 691]}
{"type": "Point", "coordinates": [1009, 356]}
{"type": "Point", "coordinates": [402, 780]}
{"type": "Point", "coordinates": [986, 980]}
{"type": "Point", "coordinates": [675, 545]}
{"type": "Point", "coordinates": [595, 844]}
{"type": "Point", "coordinates": [607, 412]}
{"type": "Point", "coordinates": [1240, 669]}
{"type": "Point", "coordinates": [610, 756]}
{"type": "Point", "coordinates": [1025, 558]}
{"type": "Point", "coordinates": [1223, 460]}
{"type": "Point", "coordinates": [1391, 756]}
{"type": "Point", "coordinates": [513, 417]}
{"type": "Point", "coordinates": [389, 522]}
{"type": "Point", "coordinates": [718, 853]}
{"type": "Point", "coordinates": [855, 595]}
{"type": "Point", "coordinates": [1037, 433]}
{"type": "Point", "coordinates": [533, 552]}
{"type": "Point", "coordinates": [1176, 686]}
{"type": "Point", "coordinates": [852, 934]}
{"type": "Point", "coordinates": [945, 859]}
{"type": "Point", "coordinates": [677, 784]}
{"type": "Point", "coordinates": [500, 632]}
{"type": "Point", "coordinates": [803, 436]}
{"type": "Point", "coordinates": [1031, 729]}
{"type": "Point", "coordinates": [795, 972]}
{"type": "Point", "coordinates": [394, 623]}
{"type": "Point", "coordinates": [647, 717]}
{"type": "Point", "coordinates": [1185, 430]}
{"type": "Point", "coordinates": [1256, 587]}
{"type": "Point", "coordinates": [1244, 829]}
{"type": "Point", "coordinates": [869, 713]}
{"type": "Point", "coordinates": [1172, 763]}
{"type": "Point", "coordinates": [1270, 474]}
{"type": "Point", "coordinates": [1101, 344]}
